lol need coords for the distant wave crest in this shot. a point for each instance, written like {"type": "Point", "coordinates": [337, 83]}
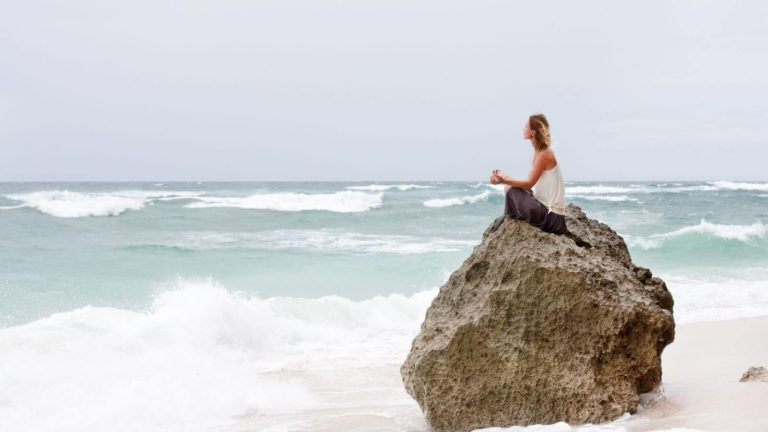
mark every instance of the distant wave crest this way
{"type": "Point", "coordinates": [711, 186]}
{"type": "Point", "coordinates": [378, 187]}
{"type": "Point", "coordinates": [604, 197]}
{"type": "Point", "coordinates": [325, 241]}
{"type": "Point", "coordinates": [743, 233]}
{"type": "Point", "coordinates": [69, 204]}
{"type": "Point", "coordinates": [729, 185]}
{"type": "Point", "coordinates": [467, 199]}
{"type": "Point", "coordinates": [599, 189]}
{"type": "Point", "coordinates": [343, 202]}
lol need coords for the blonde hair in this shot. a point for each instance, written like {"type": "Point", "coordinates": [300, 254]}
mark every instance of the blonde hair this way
{"type": "Point", "coordinates": [542, 139]}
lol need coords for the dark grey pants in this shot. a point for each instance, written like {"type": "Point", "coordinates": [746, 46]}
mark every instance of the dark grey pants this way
{"type": "Point", "coordinates": [521, 204]}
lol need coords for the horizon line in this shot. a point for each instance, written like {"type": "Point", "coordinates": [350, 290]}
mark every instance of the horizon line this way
{"type": "Point", "coordinates": [347, 181]}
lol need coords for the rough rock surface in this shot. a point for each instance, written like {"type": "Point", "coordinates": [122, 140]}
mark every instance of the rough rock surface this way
{"type": "Point", "coordinates": [533, 328]}
{"type": "Point", "coordinates": [755, 373]}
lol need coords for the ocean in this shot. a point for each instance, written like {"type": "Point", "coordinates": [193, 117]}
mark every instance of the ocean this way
{"type": "Point", "coordinates": [282, 306]}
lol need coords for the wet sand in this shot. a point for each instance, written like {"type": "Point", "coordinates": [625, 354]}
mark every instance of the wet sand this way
{"type": "Point", "coordinates": [700, 391]}
{"type": "Point", "coordinates": [700, 379]}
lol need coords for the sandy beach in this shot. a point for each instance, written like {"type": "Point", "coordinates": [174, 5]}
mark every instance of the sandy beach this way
{"type": "Point", "coordinates": [700, 391]}
{"type": "Point", "coordinates": [700, 382]}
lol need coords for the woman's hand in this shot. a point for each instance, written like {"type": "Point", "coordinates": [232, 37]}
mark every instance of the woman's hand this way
{"type": "Point", "coordinates": [497, 176]}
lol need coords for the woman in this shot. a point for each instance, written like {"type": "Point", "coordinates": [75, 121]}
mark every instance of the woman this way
{"type": "Point", "coordinates": [544, 207]}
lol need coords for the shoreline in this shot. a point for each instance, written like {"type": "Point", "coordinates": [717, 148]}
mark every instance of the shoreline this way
{"type": "Point", "coordinates": [700, 386]}
{"type": "Point", "coordinates": [700, 391]}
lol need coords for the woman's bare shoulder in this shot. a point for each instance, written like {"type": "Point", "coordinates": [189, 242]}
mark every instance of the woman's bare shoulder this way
{"type": "Point", "coordinates": [546, 158]}
{"type": "Point", "coordinates": [546, 155]}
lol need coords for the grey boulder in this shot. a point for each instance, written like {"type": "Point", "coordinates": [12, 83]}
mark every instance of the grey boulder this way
{"type": "Point", "coordinates": [540, 328]}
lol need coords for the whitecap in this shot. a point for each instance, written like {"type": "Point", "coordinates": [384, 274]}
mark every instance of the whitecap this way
{"type": "Point", "coordinates": [600, 189]}
{"type": "Point", "coordinates": [743, 233]}
{"type": "Point", "coordinates": [325, 241]}
{"type": "Point", "coordinates": [468, 199]}
{"type": "Point", "coordinates": [725, 231]}
{"type": "Point", "coordinates": [378, 187]}
{"type": "Point", "coordinates": [638, 189]}
{"type": "Point", "coordinates": [729, 185]}
{"type": "Point", "coordinates": [69, 204]}
{"type": "Point", "coordinates": [343, 202]}
{"type": "Point", "coordinates": [604, 197]}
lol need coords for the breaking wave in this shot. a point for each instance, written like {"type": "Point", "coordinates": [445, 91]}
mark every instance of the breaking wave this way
{"type": "Point", "coordinates": [467, 199]}
{"type": "Point", "coordinates": [378, 187]}
{"type": "Point", "coordinates": [343, 202]}
{"type": "Point", "coordinates": [324, 241]}
{"type": "Point", "coordinates": [742, 233]}
{"type": "Point", "coordinates": [69, 204]}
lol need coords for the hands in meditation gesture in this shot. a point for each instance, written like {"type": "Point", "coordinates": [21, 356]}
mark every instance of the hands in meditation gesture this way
{"type": "Point", "coordinates": [497, 176]}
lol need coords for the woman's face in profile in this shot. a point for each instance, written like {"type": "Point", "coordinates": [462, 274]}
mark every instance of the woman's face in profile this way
{"type": "Point", "coordinates": [527, 130]}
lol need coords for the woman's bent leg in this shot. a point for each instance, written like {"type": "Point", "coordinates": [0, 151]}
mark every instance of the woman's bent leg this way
{"type": "Point", "coordinates": [521, 204]}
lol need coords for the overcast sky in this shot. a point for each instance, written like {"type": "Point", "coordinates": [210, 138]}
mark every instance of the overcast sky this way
{"type": "Point", "coordinates": [381, 90]}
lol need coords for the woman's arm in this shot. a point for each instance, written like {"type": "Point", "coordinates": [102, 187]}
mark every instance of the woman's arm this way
{"type": "Point", "coordinates": [539, 163]}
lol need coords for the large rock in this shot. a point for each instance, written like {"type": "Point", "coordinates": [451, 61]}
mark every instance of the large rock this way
{"type": "Point", "coordinates": [535, 328]}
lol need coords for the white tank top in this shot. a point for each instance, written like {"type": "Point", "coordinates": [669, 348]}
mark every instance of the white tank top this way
{"type": "Point", "coordinates": [550, 190]}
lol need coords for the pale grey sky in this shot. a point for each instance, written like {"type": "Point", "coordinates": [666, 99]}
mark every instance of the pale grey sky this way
{"type": "Point", "coordinates": [381, 90]}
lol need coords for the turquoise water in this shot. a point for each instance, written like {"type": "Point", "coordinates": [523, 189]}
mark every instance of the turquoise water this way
{"type": "Point", "coordinates": [290, 306]}
{"type": "Point", "coordinates": [67, 245]}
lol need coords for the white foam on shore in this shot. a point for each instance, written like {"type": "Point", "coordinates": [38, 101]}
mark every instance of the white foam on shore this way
{"type": "Point", "coordinates": [322, 240]}
{"type": "Point", "coordinates": [467, 199]}
{"type": "Point", "coordinates": [615, 426]}
{"type": "Point", "coordinates": [202, 356]}
{"type": "Point", "coordinates": [343, 202]}
{"type": "Point", "coordinates": [378, 187]}
{"type": "Point", "coordinates": [199, 357]}
{"type": "Point", "coordinates": [714, 298]}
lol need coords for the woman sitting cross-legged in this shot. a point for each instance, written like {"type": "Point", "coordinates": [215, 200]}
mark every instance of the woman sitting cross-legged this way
{"type": "Point", "coordinates": [544, 206]}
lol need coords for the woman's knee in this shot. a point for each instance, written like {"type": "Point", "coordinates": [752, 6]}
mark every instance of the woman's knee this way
{"type": "Point", "coordinates": [515, 191]}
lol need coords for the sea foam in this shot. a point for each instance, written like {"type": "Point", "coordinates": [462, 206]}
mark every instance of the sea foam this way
{"type": "Point", "coordinates": [69, 204]}
{"type": "Point", "coordinates": [202, 356]}
{"type": "Point", "coordinates": [378, 187]}
{"type": "Point", "coordinates": [467, 199]}
{"type": "Point", "coordinates": [343, 202]}
{"type": "Point", "coordinates": [199, 357]}
{"type": "Point", "coordinates": [599, 189]}
{"type": "Point", "coordinates": [604, 197]}
{"type": "Point", "coordinates": [322, 240]}
{"type": "Point", "coordinates": [742, 233]}
{"type": "Point", "coordinates": [729, 185]}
